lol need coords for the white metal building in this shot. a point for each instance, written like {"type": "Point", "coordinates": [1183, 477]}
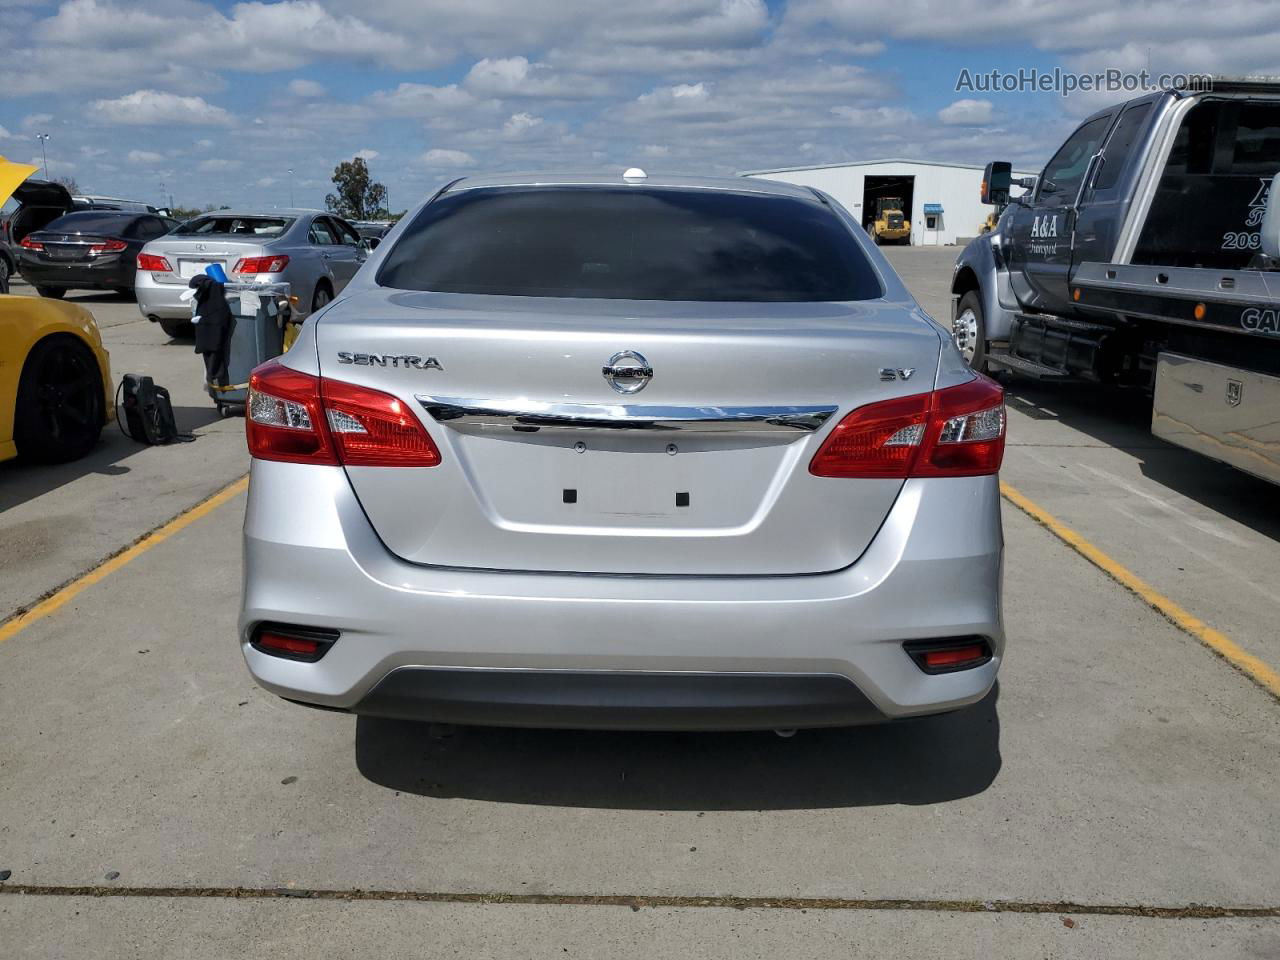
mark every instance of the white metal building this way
{"type": "Point", "coordinates": [943, 197]}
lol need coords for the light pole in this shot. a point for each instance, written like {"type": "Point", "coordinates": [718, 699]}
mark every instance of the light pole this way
{"type": "Point", "coordinates": [291, 188]}
{"type": "Point", "coordinates": [44, 138]}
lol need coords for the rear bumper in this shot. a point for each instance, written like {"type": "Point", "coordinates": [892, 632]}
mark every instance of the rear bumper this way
{"type": "Point", "coordinates": [618, 700]}
{"type": "Point", "coordinates": [160, 300]}
{"type": "Point", "coordinates": [613, 651]}
{"type": "Point", "coordinates": [107, 276]}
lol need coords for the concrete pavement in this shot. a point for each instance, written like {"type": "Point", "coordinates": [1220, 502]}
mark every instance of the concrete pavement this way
{"type": "Point", "coordinates": [1120, 765]}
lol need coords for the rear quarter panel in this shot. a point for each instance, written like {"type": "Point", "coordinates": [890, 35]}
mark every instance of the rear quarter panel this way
{"type": "Point", "coordinates": [24, 322]}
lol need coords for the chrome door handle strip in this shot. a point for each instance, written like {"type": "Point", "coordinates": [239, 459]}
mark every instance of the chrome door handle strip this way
{"type": "Point", "coordinates": [526, 415]}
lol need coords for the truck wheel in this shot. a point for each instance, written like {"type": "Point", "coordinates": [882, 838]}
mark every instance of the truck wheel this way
{"type": "Point", "coordinates": [59, 413]}
{"type": "Point", "coordinates": [178, 329]}
{"type": "Point", "coordinates": [969, 331]}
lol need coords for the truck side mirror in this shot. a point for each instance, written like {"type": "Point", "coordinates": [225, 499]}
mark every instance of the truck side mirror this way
{"type": "Point", "coordinates": [996, 180]}
{"type": "Point", "coordinates": [1270, 231]}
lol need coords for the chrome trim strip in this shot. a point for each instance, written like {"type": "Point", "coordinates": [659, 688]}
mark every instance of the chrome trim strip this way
{"type": "Point", "coordinates": [520, 414]}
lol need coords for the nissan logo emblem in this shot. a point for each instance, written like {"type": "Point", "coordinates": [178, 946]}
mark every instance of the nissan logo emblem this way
{"type": "Point", "coordinates": [628, 372]}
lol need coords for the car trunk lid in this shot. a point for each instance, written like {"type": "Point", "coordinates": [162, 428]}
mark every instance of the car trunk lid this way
{"type": "Point", "coordinates": [546, 467]}
{"type": "Point", "coordinates": [191, 255]}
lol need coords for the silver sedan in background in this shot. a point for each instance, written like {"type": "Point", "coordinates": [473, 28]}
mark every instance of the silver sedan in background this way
{"type": "Point", "coordinates": [316, 253]}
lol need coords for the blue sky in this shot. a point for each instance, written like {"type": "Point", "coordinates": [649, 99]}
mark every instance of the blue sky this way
{"type": "Point", "coordinates": [217, 101]}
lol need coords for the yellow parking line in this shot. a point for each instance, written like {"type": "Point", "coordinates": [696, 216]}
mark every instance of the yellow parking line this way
{"type": "Point", "coordinates": [59, 598]}
{"type": "Point", "coordinates": [1252, 667]}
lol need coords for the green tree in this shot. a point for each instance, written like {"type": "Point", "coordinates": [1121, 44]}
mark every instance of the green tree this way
{"type": "Point", "coordinates": [358, 197]}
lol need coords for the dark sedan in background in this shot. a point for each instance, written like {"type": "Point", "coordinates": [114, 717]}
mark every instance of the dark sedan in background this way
{"type": "Point", "coordinates": [88, 249]}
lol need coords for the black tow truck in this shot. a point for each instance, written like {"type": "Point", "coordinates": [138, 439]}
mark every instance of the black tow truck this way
{"type": "Point", "coordinates": [1146, 255]}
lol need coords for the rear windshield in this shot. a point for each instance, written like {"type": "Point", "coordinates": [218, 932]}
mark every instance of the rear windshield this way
{"type": "Point", "coordinates": [630, 244]}
{"type": "Point", "coordinates": [236, 226]}
{"type": "Point", "coordinates": [91, 222]}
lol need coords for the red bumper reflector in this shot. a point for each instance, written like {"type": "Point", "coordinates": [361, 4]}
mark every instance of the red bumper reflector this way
{"type": "Point", "coordinates": [948, 656]}
{"type": "Point", "coordinates": [293, 643]}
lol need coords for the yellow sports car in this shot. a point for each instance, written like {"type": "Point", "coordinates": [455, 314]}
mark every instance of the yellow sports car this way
{"type": "Point", "coordinates": [55, 376]}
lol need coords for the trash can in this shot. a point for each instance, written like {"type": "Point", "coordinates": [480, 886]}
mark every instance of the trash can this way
{"type": "Point", "coordinates": [261, 312]}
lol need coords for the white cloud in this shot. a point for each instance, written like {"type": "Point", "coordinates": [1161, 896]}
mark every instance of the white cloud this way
{"type": "Point", "coordinates": [366, 154]}
{"type": "Point", "coordinates": [4, 134]}
{"type": "Point", "coordinates": [967, 113]}
{"type": "Point", "coordinates": [145, 157]}
{"type": "Point", "coordinates": [265, 182]}
{"type": "Point", "coordinates": [31, 121]}
{"type": "Point", "coordinates": [219, 163]}
{"type": "Point", "coordinates": [655, 150]}
{"type": "Point", "coordinates": [519, 124]}
{"type": "Point", "coordinates": [306, 89]}
{"type": "Point", "coordinates": [421, 100]}
{"type": "Point", "coordinates": [147, 107]}
{"type": "Point", "coordinates": [447, 158]}
{"type": "Point", "coordinates": [517, 77]}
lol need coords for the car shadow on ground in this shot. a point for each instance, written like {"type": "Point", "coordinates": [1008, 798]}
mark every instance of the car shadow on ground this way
{"type": "Point", "coordinates": [1122, 419]}
{"type": "Point", "coordinates": [930, 760]}
{"type": "Point", "coordinates": [20, 481]}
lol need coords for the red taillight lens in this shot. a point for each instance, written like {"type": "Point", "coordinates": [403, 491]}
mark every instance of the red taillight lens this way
{"type": "Point", "coordinates": [261, 264]}
{"type": "Point", "coordinates": [283, 418]}
{"type": "Point", "coordinates": [153, 263]}
{"type": "Point", "coordinates": [297, 418]}
{"type": "Point", "coordinates": [29, 244]}
{"type": "Point", "coordinates": [953, 432]}
{"type": "Point", "coordinates": [373, 429]}
{"type": "Point", "coordinates": [111, 246]}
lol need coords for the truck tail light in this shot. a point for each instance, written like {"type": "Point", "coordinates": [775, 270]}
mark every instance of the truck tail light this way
{"type": "Point", "coordinates": [954, 432]}
{"type": "Point", "coordinates": [294, 417]}
{"type": "Point", "coordinates": [154, 264]}
{"type": "Point", "coordinates": [273, 264]}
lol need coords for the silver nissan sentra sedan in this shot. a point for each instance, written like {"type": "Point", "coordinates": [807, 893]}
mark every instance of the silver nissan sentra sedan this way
{"type": "Point", "coordinates": [625, 452]}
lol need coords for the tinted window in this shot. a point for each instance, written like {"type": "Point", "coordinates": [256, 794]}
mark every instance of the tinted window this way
{"type": "Point", "coordinates": [236, 226]}
{"type": "Point", "coordinates": [632, 244]}
{"type": "Point", "coordinates": [1132, 123]}
{"type": "Point", "coordinates": [89, 221]}
{"type": "Point", "coordinates": [1257, 147]}
{"type": "Point", "coordinates": [1064, 173]}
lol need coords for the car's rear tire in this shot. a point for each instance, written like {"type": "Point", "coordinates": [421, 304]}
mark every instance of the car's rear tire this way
{"type": "Point", "coordinates": [322, 297]}
{"type": "Point", "coordinates": [53, 293]}
{"type": "Point", "coordinates": [60, 407]}
{"type": "Point", "coordinates": [178, 329]}
{"type": "Point", "coordinates": [969, 331]}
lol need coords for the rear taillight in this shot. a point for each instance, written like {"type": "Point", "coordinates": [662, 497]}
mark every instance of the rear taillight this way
{"type": "Point", "coordinates": [297, 418]}
{"type": "Point", "coordinates": [149, 261]}
{"type": "Point", "coordinates": [953, 432]}
{"type": "Point", "coordinates": [29, 244]}
{"type": "Point", "coordinates": [110, 246]}
{"type": "Point", "coordinates": [261, 264]}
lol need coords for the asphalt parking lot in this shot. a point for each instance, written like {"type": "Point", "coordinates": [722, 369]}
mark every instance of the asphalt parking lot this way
{"type": "Point", "coordinates": [1115, 797]}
